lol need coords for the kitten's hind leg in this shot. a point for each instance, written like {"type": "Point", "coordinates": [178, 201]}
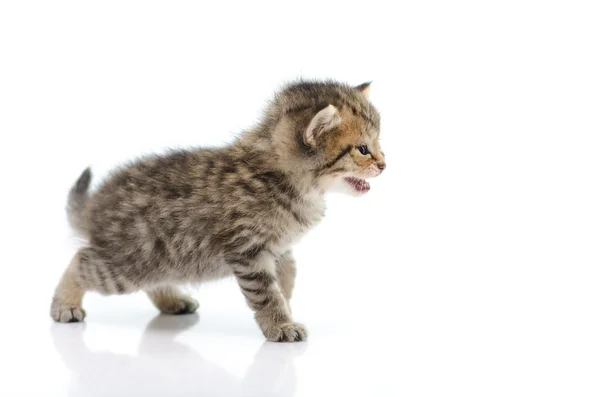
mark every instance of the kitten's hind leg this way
{"type": "Point", "coordinates": [89, 271]}
{"type": "Point", "coordinates": [66, 303]}
{"type": "Point", "coordinates": [170, 300]}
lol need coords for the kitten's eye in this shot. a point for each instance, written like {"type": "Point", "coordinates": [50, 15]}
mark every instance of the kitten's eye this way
{"type": "Point", "coordinates": [363, 149]}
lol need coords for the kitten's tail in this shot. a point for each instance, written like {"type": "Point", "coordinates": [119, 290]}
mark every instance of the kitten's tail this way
{"type": "Point", "coordinates": [78, 196]}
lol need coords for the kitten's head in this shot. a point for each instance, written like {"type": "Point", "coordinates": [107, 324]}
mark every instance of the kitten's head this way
{"type": "Point", "coordinates": [334, 134]}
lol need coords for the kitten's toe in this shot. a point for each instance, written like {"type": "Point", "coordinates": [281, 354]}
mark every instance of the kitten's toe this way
{"type": "Point", "coordinates": [63, 313]}
{"type": "Point", "coordinates": [288, 332]}
{"type": "Point", "coordinates": [183, 305]}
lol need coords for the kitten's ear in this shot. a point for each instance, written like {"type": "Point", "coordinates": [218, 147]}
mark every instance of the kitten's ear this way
{"type": "Point", "coordinates": [364, 88]}
{"type": "Point", "coordinates": [327, 119]}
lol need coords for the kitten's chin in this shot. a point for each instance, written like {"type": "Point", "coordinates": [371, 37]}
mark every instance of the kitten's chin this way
{"type": "Point", "coordinates": [358, 184]}
{"type": "Point", "coordinates": [351, 186]}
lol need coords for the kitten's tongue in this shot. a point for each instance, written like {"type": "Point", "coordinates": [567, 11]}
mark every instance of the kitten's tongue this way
{"type": "Point", "coordinates": [359, 184]}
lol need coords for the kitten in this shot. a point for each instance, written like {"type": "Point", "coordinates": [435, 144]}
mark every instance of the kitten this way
{"type": "Point", "coordinates": [196, 215]}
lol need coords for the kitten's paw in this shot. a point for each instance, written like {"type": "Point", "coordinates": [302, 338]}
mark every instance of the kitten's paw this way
{"type": "Point", "coordinates": [63, 313]}
{"type": "Point", "coordinates": [181, 305]}
{"type": "Point", "coordinates": [287, 332]}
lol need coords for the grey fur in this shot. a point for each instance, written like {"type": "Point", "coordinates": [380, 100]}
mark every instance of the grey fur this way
{"type": "Point", "coordinates": [196, 215]}
{"type": "Point", "coordinates": [78, 196]}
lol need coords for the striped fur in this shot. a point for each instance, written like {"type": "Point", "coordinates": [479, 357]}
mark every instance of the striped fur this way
{"type": "Point", "coordinates": [194, 215]}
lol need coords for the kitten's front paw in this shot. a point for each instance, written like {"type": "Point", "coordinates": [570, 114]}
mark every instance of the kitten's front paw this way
{"type": "Point", "coordinates": [63, 313]}
{"type": "Point", "coordinates": [286, 332]}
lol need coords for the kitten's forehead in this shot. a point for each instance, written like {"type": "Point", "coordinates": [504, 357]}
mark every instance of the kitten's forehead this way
{"type": "Point", "coordinates": [305, 94]}
{"type": "Point", "coordinates": [373, 136]}
{"type": "Point", "coordinates": [370, 132]}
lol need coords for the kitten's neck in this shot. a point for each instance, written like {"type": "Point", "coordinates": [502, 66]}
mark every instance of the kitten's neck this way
{"type": "Point", "coordinates": [280, 156]}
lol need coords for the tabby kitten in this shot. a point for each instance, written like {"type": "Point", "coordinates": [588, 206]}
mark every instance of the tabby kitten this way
{"type": "Point", "coordinates": [197, 215]}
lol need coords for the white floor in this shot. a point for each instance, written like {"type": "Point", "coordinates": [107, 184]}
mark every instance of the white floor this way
{"type": "Point", "coordinates": [431, 328]}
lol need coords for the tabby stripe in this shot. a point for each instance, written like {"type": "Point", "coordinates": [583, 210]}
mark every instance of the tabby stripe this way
{"type": "Point", "coordinates": [231, 237]}
{"type": "Point", "coordinates": [287, 192]}
{"type": "Point", "coordinates": [245, 257]}
{"type": "Point", "coordinates": [236, 242]}
{"type": "Point", "coordinates": [254, 251]}
{"type": "Point", "coordinates": [246, 186]}
{"type": "Point", "coordinates": [100, 278]}
{"type": "Point", "coordinates": [360, 113]}
{"type": "Point", "coordinates": [262, 277]}
{"type": "Point", "coordinates": [338, 158]}
{"type": "Point", "coordinates": [255, 291]}
{"type": "Point", "coordinates": [109, 281]}
{"type": "Point", "coordinates": [299, 219]}
{"type": "Point", "coordinates": [297, 108]}
{"type": "Point", "coordinates": [113, 278]}
{"type": "Point", "coordinates": [120, 287]}
{"type": "Point", "coordinates": [279, 181]}
{"type": "Point", "coordinates": [258, 305]}
{"type": "Point", "coordinates": [283, 202]}
{"type": "Point", "coordinates": [237, 262]}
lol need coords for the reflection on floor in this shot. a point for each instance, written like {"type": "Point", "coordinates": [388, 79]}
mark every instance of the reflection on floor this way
{"type": "Point", "coordinates": [165, 367]}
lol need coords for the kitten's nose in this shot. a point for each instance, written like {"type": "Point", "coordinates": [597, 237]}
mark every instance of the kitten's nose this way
{"type": "Point", "coordinates": [381, 166]}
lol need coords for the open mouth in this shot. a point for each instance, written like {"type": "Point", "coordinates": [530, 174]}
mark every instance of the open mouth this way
{"type": "Point", "coordinates": [359, 184]}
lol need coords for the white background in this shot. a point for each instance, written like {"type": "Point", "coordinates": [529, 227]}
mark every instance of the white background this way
{"type": "Point", "coordinates": [470, 269]}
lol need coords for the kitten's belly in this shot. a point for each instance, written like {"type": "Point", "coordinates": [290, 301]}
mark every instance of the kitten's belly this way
{"type": "Point", "coordinates": [212, 270]}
